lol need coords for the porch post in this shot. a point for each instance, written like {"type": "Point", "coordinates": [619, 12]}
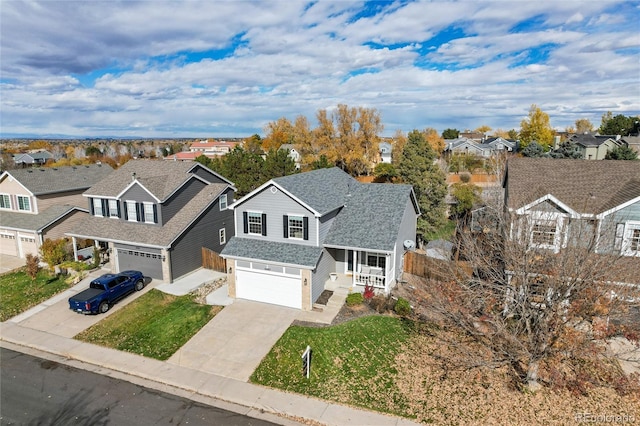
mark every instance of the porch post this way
{"type": "Point", "coordinates": [75, 249]}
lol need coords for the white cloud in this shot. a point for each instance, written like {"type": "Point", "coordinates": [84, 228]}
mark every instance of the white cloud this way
{"type": "Point", "coordinates": [295, 58]}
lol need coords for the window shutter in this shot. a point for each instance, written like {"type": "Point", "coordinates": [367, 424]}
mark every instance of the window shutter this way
{"type": "Point", "coordinates": [118, 206]}
{"type": "Point", "coordinates": [105, 207]}
{"type": "Point", "coordinates": [138, 211]}
{"type": "Point", "coordinates": [285, 226]}
{"type": "Point", "coordinates": [245, 221]}
{"type": "Point", "coordinates": [305, 228]}
{"type": "Point", "coordinates": [126, 211]}
{"type": "Point", "coordinates": [91, 207]}
{"type": "Point", "coordinates": [264, 224]}
{"type": "Point", "coordinates": [155, 213]}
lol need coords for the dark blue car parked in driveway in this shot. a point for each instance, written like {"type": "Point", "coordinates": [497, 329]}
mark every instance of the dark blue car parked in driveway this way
{"type": "Point", "coordinates": [105, 290]}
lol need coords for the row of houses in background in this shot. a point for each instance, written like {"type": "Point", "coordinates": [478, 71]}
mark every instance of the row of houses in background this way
{"type": "Point", "coordinates": [590, 146]}
{"type": "Point", "coordinates": [286, 241]}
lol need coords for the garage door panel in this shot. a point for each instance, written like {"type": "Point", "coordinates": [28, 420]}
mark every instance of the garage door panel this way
{"type": "Point", "coordinates": [8, 244]}
{"type": "Point", "coordinates": [269, 288]}
{"type": "Point", "coordinates": [149, 264]}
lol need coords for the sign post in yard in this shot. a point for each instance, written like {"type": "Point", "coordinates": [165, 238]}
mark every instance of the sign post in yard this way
{"type": "Point", "coordinates": [306, 362]}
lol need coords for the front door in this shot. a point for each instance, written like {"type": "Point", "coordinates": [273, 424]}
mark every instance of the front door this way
{"type": "Point", "coordinates": [349, 261]}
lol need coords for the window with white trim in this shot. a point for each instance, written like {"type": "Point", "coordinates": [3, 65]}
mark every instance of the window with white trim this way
{"type": "Point", "coordinates": [132, 215]}
{"type": "Point", "coordinates": [5, 201]}
{"type": "Point", "coordinates": [223, 202]}
{"type": "Point", "coordinates": [223, 235]}
{"type": "Point", "coordinates": [255, 223]}
{"type": "Point", "coordinates": [546, 230]}
{"type": "Point", "coordinates": [24, 203]}
{"type": "Point", "coordinates": [543, 233]}
{"type": "Point", "coordinates": [97, 207]}
{"type": "Point", "coordinates": [296, 227]}
{"type": "Point", "coordinates": [113, 208]}
{"type": "Point", "coordinates": [631, 242]}
{"type": "Point", "coordinates": [148, 213]}
{"type": "Point", "coordinates": [376, 260]}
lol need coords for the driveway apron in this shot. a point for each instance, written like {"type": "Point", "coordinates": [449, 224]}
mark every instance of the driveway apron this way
{"type": "Point", "coordinates": [234, 342]}
{"type": "Point", "coordinates": [55, 317]}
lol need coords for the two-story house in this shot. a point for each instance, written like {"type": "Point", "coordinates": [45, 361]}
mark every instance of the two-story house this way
{"type": "Point", "coordinates": [156, 216]}
{"type": "Point", "coordinates": [294, 154]}
{"type": "Point", "coordinates": [595, 147]}
{"type": "Point", "coordinates": [41, 203]}
{"type": "Point", "coordinates": [559, 200]}
{"type": "Point", "coordinates": [296, 232]}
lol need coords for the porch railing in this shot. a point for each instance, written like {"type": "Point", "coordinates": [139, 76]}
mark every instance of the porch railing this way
{"type": "Point", "coordinates": [376, 280]}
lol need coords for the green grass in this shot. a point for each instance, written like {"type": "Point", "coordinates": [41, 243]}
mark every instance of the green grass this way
{"type": "Point", "coordinates": [445, 232]}
{"type": "Point", "coordinates": [352, 362]}
{"type": "Point", "coordinates": [155, 325]}
{"type": "Point", "coordinates": [18, 292]}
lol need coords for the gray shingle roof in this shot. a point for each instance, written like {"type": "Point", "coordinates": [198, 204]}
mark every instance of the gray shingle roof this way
{"type": "Point", "coordinates": [586, 186]}
{"type": "Point", "coordinates": [323, 190]}
{"type": "Point", "coordinates": [161, 178]}
{"type": "Point", "coordinates": [35, 222]}
{"type": "Point", "coordinates": [49, 180]}
{"type": "Point", "coordinates": [271, 251]}
{"type": "Point", "coordinates": [109, 229]}
{"type": "Point", "coordinates": [371, 217]}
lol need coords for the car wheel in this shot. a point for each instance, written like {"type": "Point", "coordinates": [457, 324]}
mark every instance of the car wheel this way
{"type": "Point", "coordinates": [104, 307]}
{"type": "Point", "coordinates": [139, 285]}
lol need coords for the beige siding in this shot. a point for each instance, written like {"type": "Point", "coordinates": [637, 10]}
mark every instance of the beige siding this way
{"type": "Point", "coordinates": [13, 188]}
{"type": "Point", "coordinates": [66, 224]}
{"type": "Point", "coordinates": [71, 198]}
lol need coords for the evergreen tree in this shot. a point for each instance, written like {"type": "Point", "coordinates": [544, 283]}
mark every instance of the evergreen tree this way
{"type": "Point", "coordinates": [417, 168]}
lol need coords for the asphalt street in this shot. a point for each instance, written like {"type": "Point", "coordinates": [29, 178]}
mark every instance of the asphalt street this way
{"type": "Point", "coordinates": [35, 391]}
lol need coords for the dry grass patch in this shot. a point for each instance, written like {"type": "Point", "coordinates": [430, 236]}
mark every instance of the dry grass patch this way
{"type": "Point", "coordinates": [440, 392]}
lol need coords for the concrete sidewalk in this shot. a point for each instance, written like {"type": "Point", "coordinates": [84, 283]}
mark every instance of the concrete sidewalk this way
{"type": "Point", "coordinates": [241, 397]}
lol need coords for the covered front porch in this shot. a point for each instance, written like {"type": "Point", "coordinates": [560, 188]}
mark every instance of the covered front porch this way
{"type": "Point", "coordinates": [358, 268]}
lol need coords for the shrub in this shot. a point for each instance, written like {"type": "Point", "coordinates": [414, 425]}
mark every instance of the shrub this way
{"type": "Point", "coordinates": [368, 292]}
{"type": "Point", "coordinates": [54, 252]}
{"type": "Point", "coordinates": [32, 266]}
{"type": "Point", "coordinates": [465, 178]}
{"type": "Point", "coordinates": [354, 299]}
{"type": "Point", "coordinates": [379, 303]}
{"type": "Point", "coordinates": [402, 307]}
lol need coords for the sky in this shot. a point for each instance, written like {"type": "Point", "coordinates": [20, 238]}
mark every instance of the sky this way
{"type": "Point", "coordinates": [215, 69]}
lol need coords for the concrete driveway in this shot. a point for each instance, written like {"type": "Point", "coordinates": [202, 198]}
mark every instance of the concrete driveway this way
{"type": "Point", "coordinates": [55, 317]}
{"type": "Point", "coordinates": [234, 342]}
{"type": "Point", "coordinates": [9, 263]}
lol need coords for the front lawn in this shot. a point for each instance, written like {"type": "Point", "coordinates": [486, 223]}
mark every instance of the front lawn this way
{"type": "Point", "coordinates": [19, 292]}
{"type": "Point", "coordinates": [155, 325]}
{"type": "Point", "coordinates": [352, 363]}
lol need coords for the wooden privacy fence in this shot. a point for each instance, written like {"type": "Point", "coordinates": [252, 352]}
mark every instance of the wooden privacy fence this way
{"type": "Point", "coordinates": [212, 260]}
{"type": "Point", "coordinates": [437, 269]}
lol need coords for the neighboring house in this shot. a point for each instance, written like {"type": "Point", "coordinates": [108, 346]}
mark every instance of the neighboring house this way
{"type": "Point", "coordinates": [293, 153]}
{"type": "Point", "coordinates": [41, 203]}
{"type": "Point", "coordinates": [183, 156]}
{"type": "Point", "coordinates": [156, 216]}
{"type": "Point", "coordinates": [632, 142]}
{"type": "Point", "coordinates": [475, 136]}
{"type": "Point", "coordinates": [385, 152]}
{"type": "Point", "coordinates": [293, 232]}
{"type": "Point", "coordinates": [485, 149]}
{"type": "Point", "coordinates": [498, 145]}
{"type": "Point", "coordinates": [595, 147]}
{"type": "Point", "coordinates": [558, 198]}
{"type": "Point", "coordinates": [212, 149]}
{"type": "Point", "coordinates": [32, 158]}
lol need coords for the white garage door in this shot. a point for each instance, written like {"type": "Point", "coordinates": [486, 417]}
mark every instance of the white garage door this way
{"type": "Point", "coordinates": [269, 288]}
{"type": "Point", "coordinates": [27, 245]}
{"type": "Point", "coordinates": [8, 244]}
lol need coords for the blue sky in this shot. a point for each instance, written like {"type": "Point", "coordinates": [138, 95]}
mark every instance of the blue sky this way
{"type": "Point", "coordinates": [227, 68]}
